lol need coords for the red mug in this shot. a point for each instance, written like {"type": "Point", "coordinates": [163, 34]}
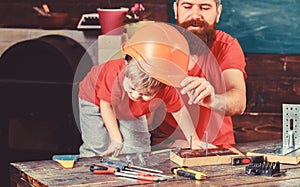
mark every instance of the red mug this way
{"type": "Point", "coordinates": [111, 20]}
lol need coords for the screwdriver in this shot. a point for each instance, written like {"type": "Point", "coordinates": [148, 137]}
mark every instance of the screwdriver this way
{"type": "Point", "coordinates": [140, 176]}
{"type": "Point", "coordinates": [121, 165]}
{"type": "Point", "coordinates": [185, 172]}
{"type": "Point", "coordinates": [102, 169]}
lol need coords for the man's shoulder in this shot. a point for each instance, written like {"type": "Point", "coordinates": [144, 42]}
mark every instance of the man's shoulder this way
{"type": "Point", "coordinates": [224, 42]}
{"type": "Point", "coordinates": [224, 37]}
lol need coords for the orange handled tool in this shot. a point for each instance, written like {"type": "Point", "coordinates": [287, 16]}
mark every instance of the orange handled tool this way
{"type": "Point", "coordinates": [140, 176]}
{"type": "Point", "coordinates": [147, 177]}
{"type": "Point", "coordinates": [102, 169]}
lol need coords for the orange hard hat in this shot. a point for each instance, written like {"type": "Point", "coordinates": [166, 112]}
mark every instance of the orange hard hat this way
{"type": "Point", "coordinates": [161, 51]}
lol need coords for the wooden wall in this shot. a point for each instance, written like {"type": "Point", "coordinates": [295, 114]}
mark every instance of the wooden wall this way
{"type": "Point", "coordinates": [19, 13]}
{"type": "Point", "coordinates": [273, 80]}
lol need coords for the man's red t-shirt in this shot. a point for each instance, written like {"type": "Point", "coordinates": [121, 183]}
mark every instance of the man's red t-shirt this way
{"type": "Point", "coordinates": [226, 53]}
{"type": "Point", "coordinates": [105, 82]}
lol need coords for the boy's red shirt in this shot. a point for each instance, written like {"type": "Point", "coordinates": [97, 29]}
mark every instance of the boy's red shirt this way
{"type": "Point", "coordinates": [105, 82]}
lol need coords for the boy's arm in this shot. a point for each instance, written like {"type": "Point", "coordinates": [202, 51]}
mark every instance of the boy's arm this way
{"type": "Point", "coordinates": [110, 121]}
{"type": "Point", "coordinates": [185, 122]}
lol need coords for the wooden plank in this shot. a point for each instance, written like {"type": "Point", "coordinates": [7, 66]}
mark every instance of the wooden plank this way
{"type": "Point", "coordinates": [261, 148]}
{"type": "Point", "coordinates": [253, 127]}
{"type": "Point", "coordinates": [240, 179]}
{"type": "Point", "coordinates": [270, 65]}
{"type": "Point", "coordinates": [278, 78]}
{"type": "Point", "coordinates": [291, 158]}
{"type": "Point", "coordinates": [205, 160]}
{"type": "Point", "coordinates": [49, 173]}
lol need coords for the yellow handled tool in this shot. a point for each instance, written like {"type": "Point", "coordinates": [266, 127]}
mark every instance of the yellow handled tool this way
{"type": "Point", "coordinates": [185, 172]}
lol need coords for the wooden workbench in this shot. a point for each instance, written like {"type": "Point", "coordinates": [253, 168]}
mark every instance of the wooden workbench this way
{"type": "Point", "coordinates": [49, 173]}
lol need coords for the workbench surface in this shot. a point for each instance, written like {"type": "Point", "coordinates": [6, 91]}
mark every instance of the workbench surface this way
{"type": "Point", "coordinates": [50, 173]}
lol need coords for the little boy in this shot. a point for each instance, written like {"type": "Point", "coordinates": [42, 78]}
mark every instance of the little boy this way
{"type": "Point", "coordinates": [115, 98]}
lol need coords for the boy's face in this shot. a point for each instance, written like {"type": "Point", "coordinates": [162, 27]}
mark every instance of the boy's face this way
{"type": "Point", "coordinates": [134, 94]}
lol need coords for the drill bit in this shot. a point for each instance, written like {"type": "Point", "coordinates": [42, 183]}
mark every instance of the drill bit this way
{"type": "Point", "coordinates": [191, 144]}
{"type": "Point", "coordinates": [206, 143]}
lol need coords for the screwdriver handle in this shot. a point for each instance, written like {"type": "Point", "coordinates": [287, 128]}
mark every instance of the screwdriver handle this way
{"type": "Point", "coordinates": [192, 174]}
{"type": "Point", "coordinates": [114, 162]}
{"type": "Point", "coordinates": [102, 169]}
{"type": "Point", "coordinates": [140, 176]}
{"type": "Point", "coordinates": [186, 174]}
{"type": "Point", "coordinates": [147, 177]}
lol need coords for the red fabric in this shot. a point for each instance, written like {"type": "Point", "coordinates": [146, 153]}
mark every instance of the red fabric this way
{"type": "Point", "coordinates": [105, 82]}
{"type": "Point", "coordinates": [226, 53]}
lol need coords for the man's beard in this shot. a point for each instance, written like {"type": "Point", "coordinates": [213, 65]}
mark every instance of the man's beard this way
{"type": "Point", "coordinates": [207, 34]}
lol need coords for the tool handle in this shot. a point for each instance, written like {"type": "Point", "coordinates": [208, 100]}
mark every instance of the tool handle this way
{"type": "Point", "coordinates": [147, 177]}
{"type": "Point", "coordinates": [114, 162]}
{"type": "Point", "coordinates": [192, 174]}
{"type": "Point", "coordinates": [102, 169]}
{"type": "Point", "coordinates": [140, 176]}
{"type": "Point", "coordinates": [186, 174]}
{"type": "Point", "coordinates": [240, 160]}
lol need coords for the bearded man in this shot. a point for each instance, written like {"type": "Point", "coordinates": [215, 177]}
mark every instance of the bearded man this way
{"type": "Point", "coordinates": [215, 87]}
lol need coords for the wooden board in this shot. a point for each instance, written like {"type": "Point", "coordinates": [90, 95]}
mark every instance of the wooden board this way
{"type": "Point", "coordinates": [278, 78]}
{"type": "Point", "coordinates": [291, 158]}
{"type": "Point", "coordinates": [49, 173]}
{"type": "Point", "coordinates": [215, 156]}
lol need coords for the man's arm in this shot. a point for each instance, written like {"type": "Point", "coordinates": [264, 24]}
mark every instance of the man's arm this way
{"type": "Point", "coordinates": [235, 92]}
{"type": "Point", "coordinates": [201, 92]}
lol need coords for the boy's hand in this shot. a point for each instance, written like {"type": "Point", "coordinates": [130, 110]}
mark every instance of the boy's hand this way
{"type": "Point", "coordinates": [111, 148]}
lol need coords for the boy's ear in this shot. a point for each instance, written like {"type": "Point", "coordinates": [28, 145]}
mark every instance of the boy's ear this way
{"type": "Point", "coordinates": [128, 58]}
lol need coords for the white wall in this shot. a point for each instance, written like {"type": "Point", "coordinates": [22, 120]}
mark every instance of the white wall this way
{"type": "Point", "coordinates": [10, 36]}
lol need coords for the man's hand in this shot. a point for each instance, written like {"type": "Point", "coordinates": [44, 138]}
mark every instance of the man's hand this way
{"type": "Point", "coordinates": [112, 147]}
{"type": "Point", "coordinates": [199, 90]}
